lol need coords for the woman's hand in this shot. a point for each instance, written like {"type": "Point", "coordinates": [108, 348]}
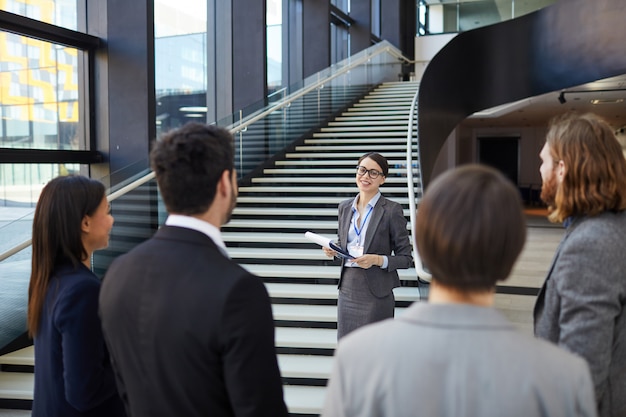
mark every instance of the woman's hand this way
{"type": "Point", "coordinates": [329, 252]}
{"type": "Point", "coordinates": [369, 260]}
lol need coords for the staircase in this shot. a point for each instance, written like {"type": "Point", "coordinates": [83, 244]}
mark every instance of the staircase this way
{"type": "Point", "coordinates": [266, 235]}
{"type": "Point", "coordinates": [301, 193]}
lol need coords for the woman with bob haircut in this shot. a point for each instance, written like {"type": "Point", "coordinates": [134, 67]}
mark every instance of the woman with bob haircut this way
{"type": "Point", "coordinates": [456, 354]}
{"type": "Point", "coordinates": [373, 230]}
{"type": "Point", "coordinates": [73, 373]}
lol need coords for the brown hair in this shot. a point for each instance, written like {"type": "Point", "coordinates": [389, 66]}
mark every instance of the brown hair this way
{"type": "Point", "coordinates": [470, 228]}
{"type": "Point", "coordinates": [57, 234]}
{"type": "Point", "coordinates": [379, 159]}
{"type": "Point", "coordinates": [594, 180]}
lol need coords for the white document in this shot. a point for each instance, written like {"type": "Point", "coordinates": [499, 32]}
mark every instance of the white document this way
{"type": "Point", "coordinates": [328, 243]}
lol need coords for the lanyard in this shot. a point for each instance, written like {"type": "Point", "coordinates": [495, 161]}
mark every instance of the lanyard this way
{"type": "Point", "coordinates": [358, 231]}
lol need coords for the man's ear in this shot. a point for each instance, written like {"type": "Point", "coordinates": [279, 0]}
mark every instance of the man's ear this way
{"type": "Point", "coordinates": [560, 170]}
{"type": "Point", "coordinates": [224, 183]}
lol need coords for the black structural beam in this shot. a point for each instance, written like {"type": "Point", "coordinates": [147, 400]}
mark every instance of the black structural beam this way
{"type": "Point", "coordinates": [561, 46]}
{"type": "Point", "coordinates": [49, 156]}
{"type": "Point", "coordinates": [44, 31]}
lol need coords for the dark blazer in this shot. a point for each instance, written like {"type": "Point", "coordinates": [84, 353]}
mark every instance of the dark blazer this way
{"type": "Point", "coordinates": [581, 306]}
{"type": "Point", "coordinates": [73, 374]}
{"type": "Point", "coordinates": [386, 233]}
{"type": "Point", "coordinates": [190, 332]}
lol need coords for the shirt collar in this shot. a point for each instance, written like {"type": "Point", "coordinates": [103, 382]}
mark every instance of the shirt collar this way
{"type": "Point", "coordinates": [201, 226]}
{"type": "Point", "coordinates": [371, 203]}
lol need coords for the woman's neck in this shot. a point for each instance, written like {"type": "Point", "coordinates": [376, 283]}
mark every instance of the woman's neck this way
{"type": "Point", "coordinates": [364, 199]}
{"type": "Point", "coordinates": [87, 261]}
{"type": "Point", "coordinates": [441, 294]}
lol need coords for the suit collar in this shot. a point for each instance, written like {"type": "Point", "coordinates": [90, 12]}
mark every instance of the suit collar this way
{"type": "Point", "coordinates": [376, 217]}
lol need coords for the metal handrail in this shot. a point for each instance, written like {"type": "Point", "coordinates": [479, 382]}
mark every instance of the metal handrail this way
{"type": "Point", "coordinates": [419, 267]}
{"type": "Point", "coordinates": [242, 125]}
{"type": "Point", "coordinates": [318, 84]}
{"type": "Point", "coordinates": [110, 197]}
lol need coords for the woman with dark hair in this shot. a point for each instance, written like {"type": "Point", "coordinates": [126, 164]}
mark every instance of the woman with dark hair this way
{"type": "Point", "coordinates": [73, 374]}
{"type": "Point", "coordinates": [373, 230]}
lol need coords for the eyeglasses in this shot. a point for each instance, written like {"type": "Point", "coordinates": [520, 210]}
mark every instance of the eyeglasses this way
{"type": "Point", "coordinates": [371, 172]}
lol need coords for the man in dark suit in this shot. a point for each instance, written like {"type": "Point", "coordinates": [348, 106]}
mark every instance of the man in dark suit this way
{"type": "Point", "coordinates": [190, 332]}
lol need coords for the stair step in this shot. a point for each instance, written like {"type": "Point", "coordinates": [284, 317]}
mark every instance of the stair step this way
{"type": "Point", "coordinates": [311, 338]}
{"type": "Point", "coordinates": [311, 313]}
{"type": "Point", "coordinates": [380, 136]}
{"type": "Point", "coordinates": [24, 356]}
{"type": "Point", "coordinates": [328, 171]}
{"type": "Point", "coordinates": [359, 140]}
{"type": "Point", "coordinates": [301, 399]}
{"type": "Point", "coordinates": [349, 128]}
{"type": "Point", "coordinates": [17, 385]}
{"type": "Point", "coordinates": [327, 292]}
{"type": "Point", "coordinates": [303, 200]}
{"type": "Point", "coordinates": [335, 148]}
{"type": "Point", "coordinates": [348, 162]}
{"type": "Point", "coordinates": [281, 224]}
{"type": "Point", "coordinates": [349, 155]}
{"type": "Point", "coordinates": [316, 190]}
{"type": "Point", "coordinates": [348, 179]}
{"type": "Point", "coordinates": [290, 211]}
{"type": "Point", "coordinates": [305, 366]}
{"type": "Point", "coordinates": [310, 271]}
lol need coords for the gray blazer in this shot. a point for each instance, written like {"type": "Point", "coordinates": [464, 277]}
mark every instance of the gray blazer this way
{"type": "Point", "coordinates": [581, 304]}
{"type": "Point", "coordinates": [451, 360]}
{"type": "Point", "coordinates": [386, 233]}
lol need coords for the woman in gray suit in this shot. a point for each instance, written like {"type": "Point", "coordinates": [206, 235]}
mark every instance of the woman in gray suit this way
{"type": "Point", "coordinates": [373, 230]}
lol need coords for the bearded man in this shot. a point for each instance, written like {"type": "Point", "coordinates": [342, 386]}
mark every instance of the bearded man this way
{"type": "Point", "coordinates": [190, 332]}
{"type": "Point", "coordinates": [581, 304]}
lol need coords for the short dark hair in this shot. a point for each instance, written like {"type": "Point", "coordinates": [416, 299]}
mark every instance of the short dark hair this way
{"type": "Point", "coordinates": [470, 228]}
{"type": "Point", "coordinates": [595, 168]}
{"type": "Point", "coordinates": [379, 159]}
{"type": "Point", "coordinates": [188, 163]}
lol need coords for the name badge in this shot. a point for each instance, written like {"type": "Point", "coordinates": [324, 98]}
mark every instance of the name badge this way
{"type": "Point", "coordinates": [355, 250]}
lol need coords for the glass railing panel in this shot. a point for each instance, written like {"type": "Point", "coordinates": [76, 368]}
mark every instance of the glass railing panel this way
{"type": "Point", "coordinates": [138, 212]}
{"type": "Point", "coordinates": [14, 279]}
{"type": "Point", "coordinates": [306, 105]}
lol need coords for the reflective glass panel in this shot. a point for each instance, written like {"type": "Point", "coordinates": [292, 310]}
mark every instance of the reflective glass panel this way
{"type": "Point", "coordinates": [180, 62]}
{"type": "Point", "coordinates": [274, 45]}
{"type": "Point", "coordinates": [56, 12]}
{"type": "Point", "coordinates": [39, 94]}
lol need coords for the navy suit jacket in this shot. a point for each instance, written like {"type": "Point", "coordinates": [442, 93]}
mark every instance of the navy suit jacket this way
{"type": "Point", "coordinates": [190, 332]}
{"type": "Point", "coordinates": [73, 374]}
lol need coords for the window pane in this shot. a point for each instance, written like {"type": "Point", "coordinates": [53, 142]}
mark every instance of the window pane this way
{"type": "Point", "coordinates": [274, 45]}
{"type": "Point", "coordinates": [39, 96]}
{"type": "Point", "coordinates": [56, 12]}
{"type": "Point", "coordinates": [180, 62]}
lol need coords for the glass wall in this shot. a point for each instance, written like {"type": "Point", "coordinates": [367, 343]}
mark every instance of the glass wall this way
{"type": "Point", "coordinates": [56, 12]}
{"type": "Point", "coordinates": [41, 99]}
{"type": "Point", "coordinates": [180, 48]}
{"type": "Point", "coordinates": [451, 16]}
{"type": "Point", "coordinates": [38, 94]}
{"type": "Point", "coordinates": [274, 46]}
